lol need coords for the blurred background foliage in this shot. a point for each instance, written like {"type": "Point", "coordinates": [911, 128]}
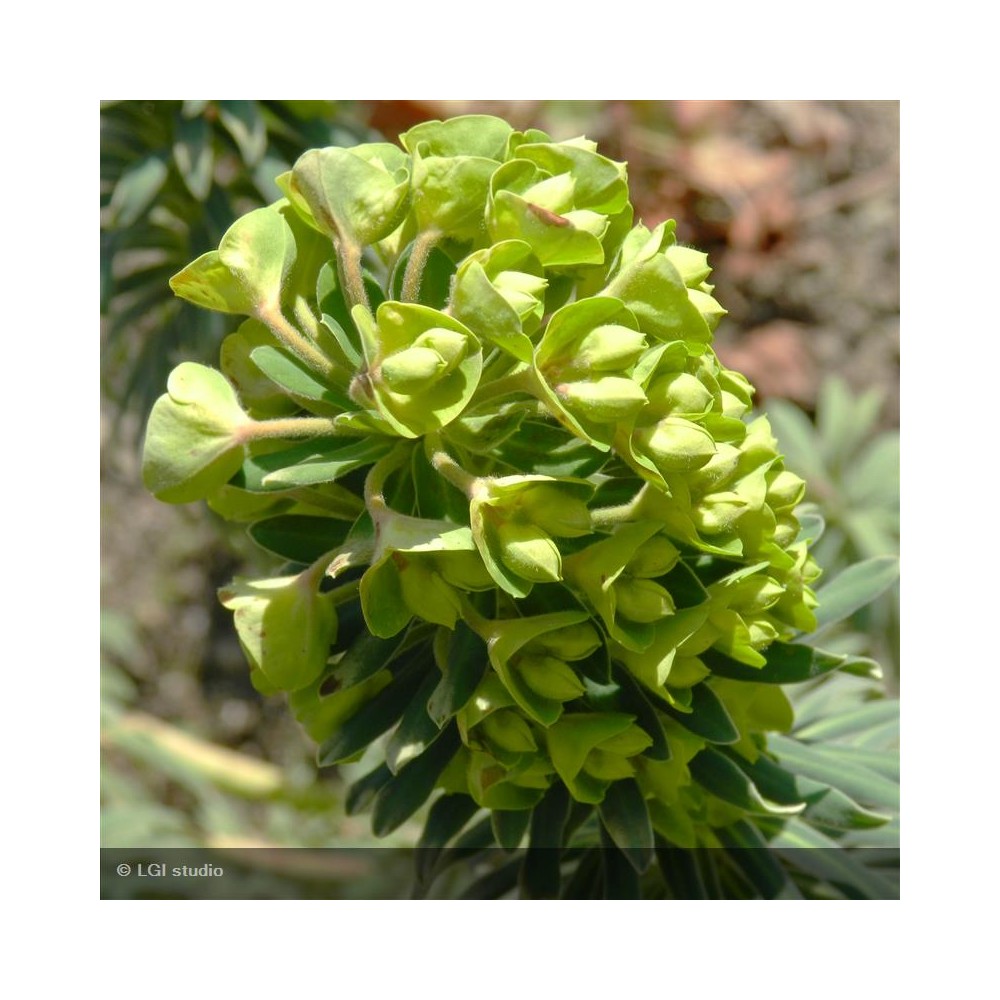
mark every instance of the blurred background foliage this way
{"type": "Point", "coordinates": [797, 204]}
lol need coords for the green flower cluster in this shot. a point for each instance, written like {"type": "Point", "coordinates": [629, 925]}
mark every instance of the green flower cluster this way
{"type": "Point", "coordinates": [529, 531]}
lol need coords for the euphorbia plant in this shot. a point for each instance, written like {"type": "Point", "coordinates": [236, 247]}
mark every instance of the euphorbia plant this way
{"type": "Point", "coordinates": [538, 550]}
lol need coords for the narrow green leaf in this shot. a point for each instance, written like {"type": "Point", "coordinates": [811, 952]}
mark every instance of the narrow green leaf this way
{"type": "Point", "coordinates": [812, 852]}
{"type": "Point", "coordinates": [293, 377]}
{"type": "Point", "coordinates": [362, 792]}
{"type": "Point", "coordinates": [708, 716]}
{"type": "Point", "coordinates": [860, 782]}
{"type": "Point", "coordinates": [719, 775]}
{"type": "Point", "coordinates": [467, 664]}
{"type": "Point", "coordinates": [753, 856]}
{"type": "Point", "coordinates": [297, 537]}
{"type": "Point", "coordinates": [366, 657]}
{"type": "Point", "coordinates": [625, 816]}
{"type": "Point", "coordinates": [243, 122]}
{"type": "Point", "coordinates": [509, 828]}
{"type": "Point", "coordinates": [540, 875]}
{"type": "Point", "coordinates": [786, 663]}
{"type": "Point", "coordinates": [416, 730]}
{"type": "Point", "coordinates": [400, 798]}
{"type": "Point", "coordinates": [856, 587]}
{"type": "Point", "coordinates": [379, 714]}
{"type": "Point", "coordinates": [857, 722]}
{"type": "Point", "coordinates": [621, 880]}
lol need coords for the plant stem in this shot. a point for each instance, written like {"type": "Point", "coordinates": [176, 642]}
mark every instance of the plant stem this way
{"type": "Point", "coordinates": [272, 317]}
{"type": "Point", "coordinates": [293, 427]}
{"type": "Point", "coordinates": [607, 517]}
{"type": "Point", "coordinates": [378, 474]}
{"type": "Point", "coordinates": [351, 276]}
{"type": "Point", "coordinates": [521, 379]}
{"type": "Point", "coordinates": [448, 467]}
{"type": "Point", "coordinates": [414, 273]}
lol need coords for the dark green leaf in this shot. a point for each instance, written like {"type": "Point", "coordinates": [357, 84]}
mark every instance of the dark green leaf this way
{"type": "Point", "coordinates": [751, 854]}
{"type": "Point", "coordinates": [416, 730]}
{"type": "Point", "coordinates": [631, 699]}
{"type": "Point", "coordinates": [494, 884]}
{"type": "Point", "coordinates": [708, 716]}
{"type": "Point", "coordinates": [719, 775]}
{"type": "Point", "coordinates": [540, 875]}
{"type": "Point", "coordinates": [366, 657]}
{"type": "Point", "coordinates": [193, 155]}
{"type": "Point", "coordinates": [621, 880]}
{"type": "Point", "coordinates": [297, 537]}
{"type": "Point", "coordinates": [362, 793]}
{"type": "Point", "coordinates": [136, 190]}
{"type": "Point", "coordinates": [625, 817]}
{"type": "Point", "coordinates": [410, 789]}
{"type": "Point", "coordinates": [465, 668]}
{"type": "Point", "coordinates": [378, 715]}
{"type": "Point", "coordinates": [509, 827]}
{"type": "Point", "coordinates": [321, 460]}
{"type": "Point", "coordinates": [787, 663]}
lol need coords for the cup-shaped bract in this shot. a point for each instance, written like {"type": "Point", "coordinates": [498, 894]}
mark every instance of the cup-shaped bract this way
{"type": "Point", "coordinates": [285, 626]}
{"type": "Point", "coordinates": [193, 437]}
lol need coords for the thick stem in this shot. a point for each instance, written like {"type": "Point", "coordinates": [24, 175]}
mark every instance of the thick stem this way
{"type": "Point", "coordinates": [378, 474]}
{"type": "Point", "coordinates": [414, 273]}
{"type": "Point", "coordinates": [292, 427]}
{"type": "Point", "coordinates": [608, 517]}
{"type": "Point", "coordinates": [352, 278]}
{"type": "Point", "coordinates": [522, 379]}
{"type": "Point", "coordinates": [445, 465]}
{"type": "Point", "coordinates": [300, 346]}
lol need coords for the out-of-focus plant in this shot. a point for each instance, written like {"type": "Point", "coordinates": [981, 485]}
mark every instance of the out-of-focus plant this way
{"type": "Point", "coordinates": [851, 469]}
{"type": "Point", "coordinates": [529, 531]}
{"type": "Point", "coordinates": [174, 176]}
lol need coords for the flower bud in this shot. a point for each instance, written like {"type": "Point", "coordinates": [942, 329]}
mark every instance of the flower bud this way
{"type": "Point", "coordinates": [573, 642]}
{"type": "Point", "coordinates": [680, 394]}
{"type": "Point", "coordinates": [654, 558]}
{"type": "Point", "coordinates": [786, 530]}
{"type": "Point", "coordinates": [753, 595]}
{"type": "Point", "coordinates": [529, 552]}
{"type": "Point", "coordinates": [426, 594]}
{"type": "Point", "coordinates": [692, 265]}
{"type": "Point", "coordinates": [707, 306]}
{"type": "Point", "coordinates": [607, 766]}
{"type": "Point", "coordinates": [675, 444]}
{"type": "Point", "coordinates": [285, 628]}
{"type": "Point", "coordinates": [718, 470]}
{"type": "Point", "coordinates": [642, 600]}
{"type": "Point", "coordinates": [506, 730]}
{"type": "Point", "coordinates": [413, 369]}
{"type": "Point", "coordinates": [609, 348]}
{"type": "Point", "coordinates": [464, 570]}
{"type": "Point", "coordinates": [607, 400]}
{"type": "Point", "coordinates": [718, 512]}
{"type": "Point", "coordinates": [784, 490]}
{"type": "Point", "coordinates": [524, 292]}
{"type": "Point", "coordinates": [555, 511]}
{"type": "Point", "coordinates": [549, 677]}
{"type": "Point", "coordinates": [451, 345]}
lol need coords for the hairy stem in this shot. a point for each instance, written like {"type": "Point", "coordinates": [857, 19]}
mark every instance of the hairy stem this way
{"type": "Point", "coordinates": [300, 346]}
{"type": "Point", "coordinates": [414, 273]}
